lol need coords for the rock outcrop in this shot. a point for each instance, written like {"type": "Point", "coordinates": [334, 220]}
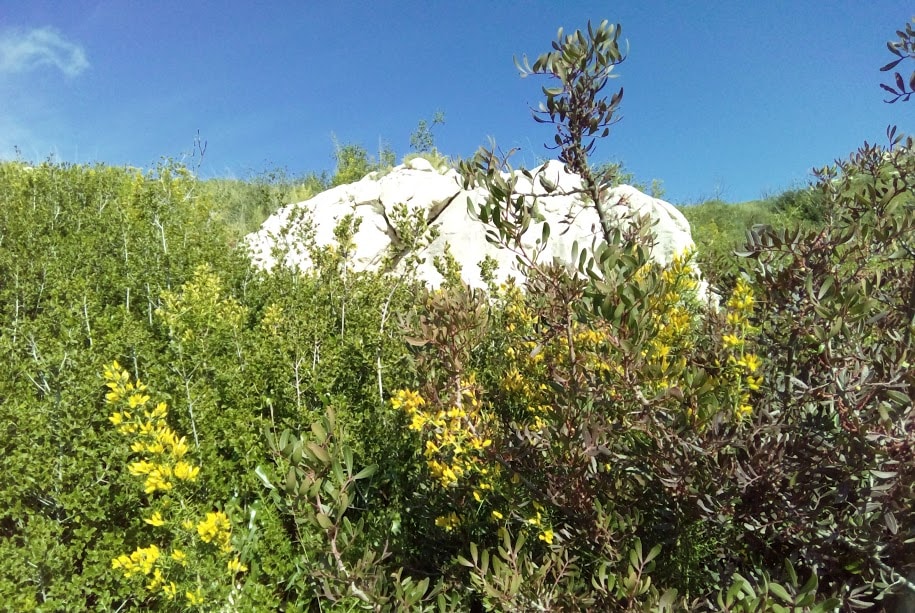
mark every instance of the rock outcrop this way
{"type": "Point", "coordinates": [439, 194]}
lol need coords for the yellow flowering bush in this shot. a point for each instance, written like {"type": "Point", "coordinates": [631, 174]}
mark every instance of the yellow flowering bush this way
{"type": "Point", "coordinates": [740, 374]}
{"type": "Point", "coordinates": [171, 565]}
{"type": "Point", "coordinates": [456, 436]}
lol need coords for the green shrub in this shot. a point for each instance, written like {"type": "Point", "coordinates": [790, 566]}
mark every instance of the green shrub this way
{"type": "Point", "coordinates": [339, 440]}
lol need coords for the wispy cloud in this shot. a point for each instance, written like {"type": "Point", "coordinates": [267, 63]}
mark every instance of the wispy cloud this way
{"type": "Point", "coordinates": [25, 50]}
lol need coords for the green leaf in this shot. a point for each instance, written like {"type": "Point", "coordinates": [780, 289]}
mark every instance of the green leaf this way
{"type": "Point", "coordinates": [891, 523]}
{"type": "Point", "coordinates": [792, 574]}
{"type": "Point", "coordinates": [811, 585]}
{"type": "Point", "coordinates": [292, 483]}
{"type": "Point", "coordinates": [780, 592]}
{"type": "Point", "coordinates": [826, 286]}
{"type": "Point", "coordinates": [366, 472]}
{"type": "Point", "coordinates": [319, 452]}
{"type": "Point", "coordinates": [883, 474]}
{"type": "Point", "coordinates": [828, 605]}
{"type": "Point", "coordinates": [745, 585]}
{"type": "Point", "coordinates": [324, 521]}
{"type": "Point", "coordinates": [263, 477]}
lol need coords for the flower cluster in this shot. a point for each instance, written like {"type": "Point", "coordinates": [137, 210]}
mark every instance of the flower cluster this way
{"type": "Point", "coordinates": [143, 560]}
{"type": "Point", "coordinates": [162, 465]}
{"type": "Point", "coordinates": [743, 365]}
{"type": "Point", "coordinates": [448, 522]}
{"type": "Point", "coordinates": [217, 529]}
{"type": "Point", "coordinates": [524, 380]}
{"type": "Point", "coordinates": [456, 437]}
{"type": "Point", "coordinates": [520, 382]}
{"type": "Point", "coordinates": [164, 462]}
{"type": "Point", "coordinates": [544, 532]}
{"type": "Point", "coordinates": [673, 320]}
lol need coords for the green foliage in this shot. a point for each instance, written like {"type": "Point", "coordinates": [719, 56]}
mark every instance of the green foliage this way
{"type": "Point", "coordinates": [103, 263]}
{"type": "Point", "coordinates": [354, 162]}
{"type": "Point", "coordinates": [617, 174]}
{"type": "Point", "coordinates": [598, 439]}
{"type": "Point", "coordinates": [719, 229]}
{"type": "Point", "coordinates": [422, 139]}
{"type": "Point", "coordinates": [837, 327]}
{"type": "Point", "coordinates": [190, 555]}
{"type": "Point", "coordinates": [243, 205]}
{"type": "Point", "coordinates": [800, 206]}
{"type": "Point", "coordinates": [87, 252]}
{"type": "Point", "coordinates": [423, 143]}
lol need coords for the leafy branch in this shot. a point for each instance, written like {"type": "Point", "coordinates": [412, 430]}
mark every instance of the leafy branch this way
{"type": "Point", "coordinates": [904, 48]}
{"type": "Point", "coordinates": [583, 64]}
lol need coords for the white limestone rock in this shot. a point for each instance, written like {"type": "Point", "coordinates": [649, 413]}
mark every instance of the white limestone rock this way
{"type": "Point", "coordinates": [420, 186]}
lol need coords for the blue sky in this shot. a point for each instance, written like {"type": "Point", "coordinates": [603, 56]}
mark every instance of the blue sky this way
{"type": "Point", "coordinates": [736, 99]}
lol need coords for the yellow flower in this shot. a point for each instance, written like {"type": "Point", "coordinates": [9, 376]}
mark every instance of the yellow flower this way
{"type": "Point", "coordinates": [216, 527]}
{"type": "Point", "coordinates": [194, 598]}
{"type": "Point", "coordinates": [497, 515]}
{"type": "Point", "coordinates": [235, 566]}
{"type": "Point", "coordinates": [155, 519]}
{"type": "Point", "coordinates": [160, 411]}
{"type": "Point", "coordinates": [418, 422]}
{"type": "Point", "coordinates": [731, 340]}
{"type": "Point", "coordinates": [546, 536]}
{"type": "Point", "coordinates": [116, 419]}
{"type": "Point", "coordinates": [157, 580]}
{"type": "Point", "coordinates": [448, 522]}
{"type": "Point", "coordinates": [179, 556]}
{"type": "Point", "coordinates": [137, 400]}
{"type": "Point", "coordinates": [141, 468]}
{"type": "Point", "coordinates": [142, 559]}
{"type": "Point", "coordinates": [170, 590]}
{"type": "Point", "coordinates": [751, 362]}
{"type": "Point", "coordinates": [185, 471]}
{"type": "Point", "coordinates": [179, 448]}
{"type": "Point", "coordinates": [407, 399]}
{"type": "Point", "coordinates": [127, 428]}
{"type": "Point", "coordinates": [158, 480]}
{"type": "Point", "coordinates": [123, 562]}
{"type": "Point", "coordinates": [744, 410]}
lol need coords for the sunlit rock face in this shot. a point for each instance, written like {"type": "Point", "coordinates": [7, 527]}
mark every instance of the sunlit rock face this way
{"type": "Point", "coordinates": [439, 194]}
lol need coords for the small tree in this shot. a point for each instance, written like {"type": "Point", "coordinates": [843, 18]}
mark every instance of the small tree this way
{"type": "Point", "coordinates": [422, 140]}
{"type": "Point", "coordinates": [583, 64]}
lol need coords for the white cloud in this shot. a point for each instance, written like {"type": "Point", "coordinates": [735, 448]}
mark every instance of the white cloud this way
{"type": "Point", "coordinates": [25, 50]}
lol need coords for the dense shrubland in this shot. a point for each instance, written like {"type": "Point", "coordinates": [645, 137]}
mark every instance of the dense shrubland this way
{"type": "Point", "coordinates": [182, 431]}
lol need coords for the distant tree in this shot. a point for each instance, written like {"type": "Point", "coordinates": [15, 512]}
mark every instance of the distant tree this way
{"type": "Point", "coordinates": [354, 162]}
{"type": "Point", "coordinates": [902, 49]}
{"type": "Point", "coordinates": [422, 139]}
{"type": "Point", "coordinates": [805, 205]}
